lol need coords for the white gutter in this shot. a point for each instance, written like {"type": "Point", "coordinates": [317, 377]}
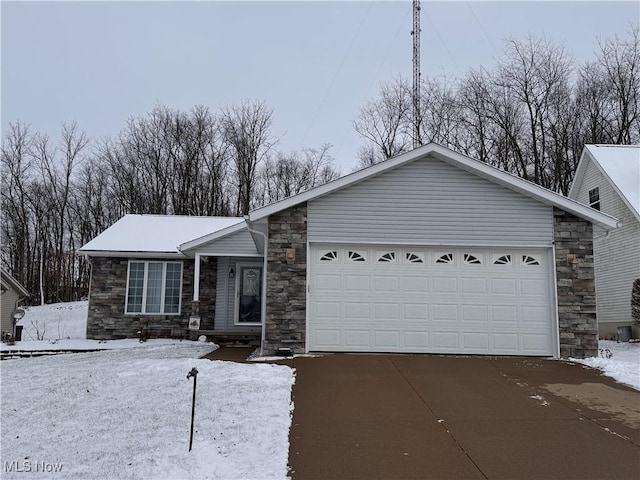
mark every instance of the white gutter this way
{"type": "Point", "coordinates": [264, 281]}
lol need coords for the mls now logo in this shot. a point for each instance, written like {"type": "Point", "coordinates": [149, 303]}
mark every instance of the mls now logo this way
{"type": "Point", "coordinates": [27, 466]}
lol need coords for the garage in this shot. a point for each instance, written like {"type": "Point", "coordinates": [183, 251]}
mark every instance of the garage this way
{"type": "Point", "coordinates": [372, 298]}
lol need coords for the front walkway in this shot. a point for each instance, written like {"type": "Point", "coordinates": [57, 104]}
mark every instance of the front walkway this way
{"type": "Point", "coordinates": [423, 416]}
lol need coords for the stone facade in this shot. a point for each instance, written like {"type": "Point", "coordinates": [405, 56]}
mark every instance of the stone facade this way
{"type": "Point", "coordinates": [106, 319]}
{"type": "Point", "coordinates": [287, 281]}
{"type": "Point", "coordinates": [575, 273]}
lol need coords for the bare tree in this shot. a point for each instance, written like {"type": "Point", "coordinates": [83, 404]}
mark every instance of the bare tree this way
{"type": "Point", "coordinates": [610, 88]}
{"type": "Point", "coordinates": [246, 128]}
{"type": "Point", "coordinates": [386, 123]}
{"type": "Point", "coordinates": [288, 174]}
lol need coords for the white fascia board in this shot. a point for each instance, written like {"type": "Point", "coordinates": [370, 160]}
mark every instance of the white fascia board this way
{"type": "Point", "coordinates": [191, 244]}
{"type": "Point", "coordinates": [125, 254]}
{"type": "Point", "coordinates": [340, 183]}
{"type": "Point", "coordinates": [10, 279]}
{"type": "Point", "coordinates": [580, 171]}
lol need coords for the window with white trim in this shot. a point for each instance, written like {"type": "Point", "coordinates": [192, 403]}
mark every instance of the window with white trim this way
{"type": "Point", "coordinates": [356, 256]}
{"type": "Point", "coordinates": [469, 259]}
{"type": "Point", "coordinates": [154, 287]}
{"type": "Point", "coordinates": [386, 257]}
{"type": "Point", "coordinates": [446, 258]}
{"type": "Point", "coordinates": [330, 256]}
{"type": "Point", "coordinates": [529, 260]}
{"type": "Point", "coordinates": [594, 198]}
{"type": "Point", "coordinates": [414, 257]}
{"type": "Point", "coordinates": [503, 260]}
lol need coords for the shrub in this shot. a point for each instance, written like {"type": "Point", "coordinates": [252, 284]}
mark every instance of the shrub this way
{"type": "Point", "coordinates": [635, 301]}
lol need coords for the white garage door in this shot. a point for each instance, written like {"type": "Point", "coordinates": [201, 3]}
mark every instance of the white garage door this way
{"type": "Point", "coordinates": [431, 300]}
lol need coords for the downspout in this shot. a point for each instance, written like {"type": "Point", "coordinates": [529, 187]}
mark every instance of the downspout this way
{"type": "Point", "coordinates": [264, 281]}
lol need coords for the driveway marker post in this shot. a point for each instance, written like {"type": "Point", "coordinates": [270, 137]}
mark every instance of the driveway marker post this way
{"type": "Point", "coordinates": [193, 373]}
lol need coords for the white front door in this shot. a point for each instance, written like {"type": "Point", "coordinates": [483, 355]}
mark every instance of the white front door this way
{"type": "Point", "coordinates": [248, 294]}
{"type": "Point", "coordinates": [433, 300]}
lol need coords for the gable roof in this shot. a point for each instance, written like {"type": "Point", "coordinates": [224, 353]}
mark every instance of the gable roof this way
{"type": "Point", "coordinates": [11, 281]}
{"type": "Point", "coordinates": [196, 242]}
{"type": "Point", "coordinates": [620, 165]}
{"type": "Point", "coordinates": [151, 235]}
{"type": "Point", "coordinates": [439, 152]}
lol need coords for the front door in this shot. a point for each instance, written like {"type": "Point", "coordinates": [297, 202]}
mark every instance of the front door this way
{"type": "Point", "coordinates": [249, 293]}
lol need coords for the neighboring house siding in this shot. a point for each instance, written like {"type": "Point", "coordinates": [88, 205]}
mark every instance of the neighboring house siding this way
{"type": "Point", "coordinates": [430, 202]}
{"type": "Point", "coordinates": [239, 243]}
{"type": "Point", "coordinates": [8, 300]}
{"type": "Point", "coordinates": [226, 296]}
{"type": "Point", "coordinates": [106, 319]}
{"type": "Point", "coordinates": [617, 253]}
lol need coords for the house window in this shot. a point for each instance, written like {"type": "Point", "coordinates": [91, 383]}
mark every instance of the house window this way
{"type": "Point", "coordinates": [154, 287]}
{"type": "Point", "coordinates": [594, 198]}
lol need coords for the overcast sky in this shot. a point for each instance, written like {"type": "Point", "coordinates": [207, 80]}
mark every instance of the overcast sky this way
{"type": "Point", "coordinates": [314, 63]}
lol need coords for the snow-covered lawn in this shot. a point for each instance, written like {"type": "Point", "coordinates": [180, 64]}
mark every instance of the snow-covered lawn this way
{"type": "Point", "coordinates": [55, 321]}
{"type": "Point", "coordinates": [126, 414]}
{"type": "Point", "coordinates": [623, 364]}
{"type": "Point", "coordinates": [62, 326]}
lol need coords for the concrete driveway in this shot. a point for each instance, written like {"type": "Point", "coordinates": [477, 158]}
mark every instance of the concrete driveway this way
{"type": "Point", "coordinates": [422, 416]}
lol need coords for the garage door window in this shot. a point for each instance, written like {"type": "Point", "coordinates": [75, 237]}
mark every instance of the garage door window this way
{"type": "Point", "coordinates": [471, 259]}
{"type": "Point", "coordinates": [386, 257]}
{"type": "Point", "coordinates": [503, 260]}
{"type": "Point", "coordinates": [330, 256]}
{"type": "Point", "coordinates": [356, 257]}
{"type": "Point", "coordinates": [446, 258]}
{"type": "Point", "coordinates": [412, 257]}
{"type": "Point", "coordinates": [529, 260]}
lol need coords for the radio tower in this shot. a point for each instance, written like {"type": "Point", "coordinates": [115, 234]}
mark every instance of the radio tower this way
{"type": "Point", "coordinates": [416, 73]}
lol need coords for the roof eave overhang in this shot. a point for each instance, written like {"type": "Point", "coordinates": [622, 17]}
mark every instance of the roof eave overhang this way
{"type": "Point", "coordinates": [15, 284]}
{"type": "Point", "coordinates": [132, 254]}
{"type": "Point", "coordinates": [197, 242]}
{"type": "Point", "coordinates": [580, 174]}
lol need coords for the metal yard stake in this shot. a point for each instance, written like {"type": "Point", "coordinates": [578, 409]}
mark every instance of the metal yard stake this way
{"type": "Point", "coordinates": [193, 373]}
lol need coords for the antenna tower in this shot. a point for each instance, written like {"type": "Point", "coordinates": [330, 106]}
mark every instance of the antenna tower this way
{"type": "Point", "coordinates": [416, 73]}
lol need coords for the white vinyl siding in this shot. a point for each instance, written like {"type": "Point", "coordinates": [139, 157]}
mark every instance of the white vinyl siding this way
{"type": "Point", "coordinates": [617, 253]}
{"type": "Point", "coordinates": [153, 287]}
{"type": "Point", "coordinates": [430, 202]}
{"type": "Point", "coordinates": [238, 243]}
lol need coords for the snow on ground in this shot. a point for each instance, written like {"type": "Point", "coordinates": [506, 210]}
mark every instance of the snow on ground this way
{"type": "Point", "coordinates": [55, 321]}
{"type": "Point", "coordinates": [623, 365]}
{"type": "Point", "coordinates": [63, 326]}
{"type": "Point", "coordinates": [125, 414]}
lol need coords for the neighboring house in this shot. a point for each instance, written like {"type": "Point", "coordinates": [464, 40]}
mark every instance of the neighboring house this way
{"type": "Point", "coordinates": [608, 179]}
{"type": "Point", "coordinates": [428, 252]}
{"type": "Point", "coordinates": [12, 294]}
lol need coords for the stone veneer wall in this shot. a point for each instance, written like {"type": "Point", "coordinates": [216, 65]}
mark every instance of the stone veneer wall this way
{"type": "Point", "coordinates": [576, 286]}
{"type": "Point", "coordinates": [106, 319]}
{"type": "Point", "coordinates": [287, 281]}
